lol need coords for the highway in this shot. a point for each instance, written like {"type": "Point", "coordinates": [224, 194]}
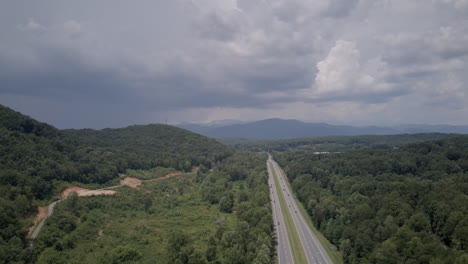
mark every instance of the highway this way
{"type": "Point", "coordinates": [313, 249]}
{"type": "Point", "coordinates": [283, 248]}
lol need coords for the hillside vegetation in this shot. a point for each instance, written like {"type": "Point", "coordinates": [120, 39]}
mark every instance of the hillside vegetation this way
{"type": "Point", "coordinates": [406, 205]}
{"type": "Point", "coordinates": [219, 216]}
{"type": "Point", "coordinates": [156, 145]}
{"type": "Point", "coordinates": [37, 161]}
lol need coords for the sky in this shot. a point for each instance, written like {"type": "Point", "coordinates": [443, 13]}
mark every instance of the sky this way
{"type": "Point", "coordinates": [114, 63]}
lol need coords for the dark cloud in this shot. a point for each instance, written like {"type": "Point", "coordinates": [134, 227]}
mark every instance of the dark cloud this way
{"type": "Point", "coordinates": [217, 27]}
{"type": "Point", "coordinates": [63, 76]}
{"type": "Point", "coordinates": [340, 8]}
{"type": "Point", "coordinates": [148, 61]}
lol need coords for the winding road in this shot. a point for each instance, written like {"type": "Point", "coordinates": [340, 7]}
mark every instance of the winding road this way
{"type": "Point", "coordinates": [312, 247]}
{"type": "Point", "coordinates": [50, 211]}
{"type": "Point", "coordinates": [50, 208]}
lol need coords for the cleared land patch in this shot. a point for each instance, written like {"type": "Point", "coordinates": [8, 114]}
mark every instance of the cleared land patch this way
{"type": "Point", "coordinates": [84, 192]}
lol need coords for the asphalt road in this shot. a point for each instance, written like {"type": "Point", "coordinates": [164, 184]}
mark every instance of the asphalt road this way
{"type": "Point", "coordinates": [283, 247]}
{"type": "Point", "coordinates": [314, 251]}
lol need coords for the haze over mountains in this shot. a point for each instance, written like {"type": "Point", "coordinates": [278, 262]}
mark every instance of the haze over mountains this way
{"type": "Point", "coordinates": [276, 128]}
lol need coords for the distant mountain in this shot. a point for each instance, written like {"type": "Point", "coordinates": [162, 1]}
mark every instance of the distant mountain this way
{"type": "Point", "coordinates": [422, 128]}
{"type": "Point", "coordinates": [224, 122]}
{"type": "Point", "coordinates": [287, 129]}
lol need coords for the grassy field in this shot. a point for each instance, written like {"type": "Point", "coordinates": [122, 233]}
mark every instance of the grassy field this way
{"type": "Point", "coordinates": [117, 226]}
{"type": "Point", "coordinates": [294, 240]}
{"type": "Point", "coordinates": [335, 255]}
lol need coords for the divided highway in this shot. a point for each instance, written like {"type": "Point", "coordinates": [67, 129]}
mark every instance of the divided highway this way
{"type": "Point", "coordinates": [284, 247]}
{"type": "Point", "coordinates": [313, 249]}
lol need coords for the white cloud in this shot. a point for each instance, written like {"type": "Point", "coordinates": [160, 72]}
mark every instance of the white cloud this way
{"type": "Point", "coordinates": [213, 5]}
{"type": "Point", "coordinates": [73, 28]}
{"type": "Point", "coordinates": [341, 74]}
{"type": "Point", "coordinates": [33, 26]}
{"type": "Point", "coordinates": [339, 71]}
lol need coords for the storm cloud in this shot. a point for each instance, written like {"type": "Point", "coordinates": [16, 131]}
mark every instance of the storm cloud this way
{"type": "Point", "coordinates": [116, 63]}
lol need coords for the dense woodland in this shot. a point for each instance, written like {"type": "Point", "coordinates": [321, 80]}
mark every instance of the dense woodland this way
{"type": "Point", "coordinates": [406, 205]}
{"type": "Point", "coordinates": [37, 161]}
{"type": "Point", "coordinates": [331, 143]}
{"type": "Point", "coordinates": [149, 146]}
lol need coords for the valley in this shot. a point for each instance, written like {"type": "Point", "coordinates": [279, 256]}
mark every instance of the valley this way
{"type": "Point", "coordinates": [173, 196]}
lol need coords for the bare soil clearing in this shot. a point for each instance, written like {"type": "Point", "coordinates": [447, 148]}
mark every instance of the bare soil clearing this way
{"type": "Point", "coordinates": [97, 192]}
{"type": "Point", "coordinates": [84, 192]}
{"type": "Point", "coordinates": [131, 182]}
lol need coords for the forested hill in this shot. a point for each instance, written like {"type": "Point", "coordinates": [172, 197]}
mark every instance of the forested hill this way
{"type": "Point", "coordinates": [44, 153]}
{"type": "Point", "coordinates": [38, 160]}
{"type": "Point", "coordinates": [405, 205]}
{"type": "Point", "coordinates": [15, 121]}
{"type": "Point", "coordinates": [171, 146]}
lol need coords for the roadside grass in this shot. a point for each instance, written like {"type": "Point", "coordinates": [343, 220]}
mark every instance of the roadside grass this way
{"type": "Point", "coordinates": [117, 223]}
{"type": "Point", "coordinates": [294, 240]}
{"type": "Point", "coordinates": [335, 255]}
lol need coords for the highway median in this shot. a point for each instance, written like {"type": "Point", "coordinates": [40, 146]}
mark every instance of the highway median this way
{"type": "Point", "coordinates": [294, 240]}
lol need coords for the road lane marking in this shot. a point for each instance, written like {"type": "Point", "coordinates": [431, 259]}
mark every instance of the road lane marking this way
{"type": "Point", "coordinates": [301, 221]}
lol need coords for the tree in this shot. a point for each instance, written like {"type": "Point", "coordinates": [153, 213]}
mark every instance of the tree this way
{"type": "Point", "coordinates": [225, 204]}
{"type": "Point", "coordinates": [179, 247]}
{"type": "Point", "coordinates": [211, 249]}
{"type": "Point", "coordinates": [197, 258]}
{"type": "Point", "coordinates": [263, 255]}
{"type": "Point", "coordinates": [72, 202]}
{"type": "Point", "coordinates": [147, 202]}
{"type": "Point", "coordinates": [124, 254]}
{"type": "Point", "coordinates": [22, 205]}
{"type": "Point", "coordinates": [386, 254]}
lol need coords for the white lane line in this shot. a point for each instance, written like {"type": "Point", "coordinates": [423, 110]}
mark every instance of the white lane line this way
{"type": "Point", "coordinates": [280, 229]}
{"type": "Point", "coordinates": [304, 225]}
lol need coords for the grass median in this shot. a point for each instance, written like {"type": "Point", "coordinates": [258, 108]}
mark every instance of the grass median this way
{"type": "Point", "coordinates": [294, 240]}
{"type": "Point", "coordinates": [335, 255]}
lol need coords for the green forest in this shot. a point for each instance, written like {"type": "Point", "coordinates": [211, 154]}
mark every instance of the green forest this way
{"type": "Point", "coordinates": [37, 161]}
{"type": "Point", "coordinates": [405, 205]}
{"type": "Point", "coordinates": [218, 216]}
{"type": "Point", "coordinates": [149, 146]}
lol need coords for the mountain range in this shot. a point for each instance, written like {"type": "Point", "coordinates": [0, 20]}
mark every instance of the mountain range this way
{"type": "Point", "coordinates": [276, 128]}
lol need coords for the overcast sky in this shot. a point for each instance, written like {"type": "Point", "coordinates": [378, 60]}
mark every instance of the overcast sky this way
{"type": "Point", "coordinates": [112, 63]}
